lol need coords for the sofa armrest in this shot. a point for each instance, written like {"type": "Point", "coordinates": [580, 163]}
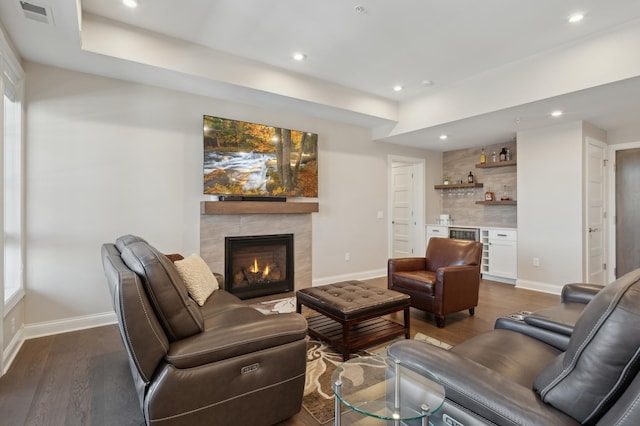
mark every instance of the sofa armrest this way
{"type": "Point", "coordinates": [458, 277]}
{"type": "Point", "coordinates": [457, 286]}
{"type": "Point", "coordinates": [579, 292]}
{"type": "Point", "coordinates": [237, 332]}
{"type": "Point", "coordinates": [406, 264]}
{"type": "Point", "coordinates": [553, 338]}
{"type": "Point", "coordinates": [560, 319]}
{"type": "Point", "coordinates": [477, 388]}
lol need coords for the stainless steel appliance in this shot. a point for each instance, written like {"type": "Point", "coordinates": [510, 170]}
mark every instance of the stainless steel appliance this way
{"type": "Point", "coordinates": [472, 234]}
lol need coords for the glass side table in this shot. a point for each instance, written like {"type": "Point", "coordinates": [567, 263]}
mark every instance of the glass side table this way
{"type": "Point", "coordinates": [380, 388]}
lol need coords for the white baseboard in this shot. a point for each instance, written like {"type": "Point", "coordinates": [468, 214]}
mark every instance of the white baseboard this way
{"type": "Point", "coordinates": [538, 286]}
{"type": "Point", "coordinates": [498, 279]}
{"type": "Point", "coordinates": [9, 354]}
{"type": "Point", "coordinates": [365, 275]}
{"type": "Point", "coordinates": [69, 324]}
{"type": "Point", "coordinates": [52, 327]}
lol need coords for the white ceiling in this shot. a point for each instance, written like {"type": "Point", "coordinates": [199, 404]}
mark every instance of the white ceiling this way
{"type": "Point", "coordinates": [354, 58]}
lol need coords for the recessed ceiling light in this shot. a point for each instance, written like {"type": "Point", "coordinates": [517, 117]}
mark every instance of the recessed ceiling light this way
{"type": "Point", "coordinates": [397, 88]}
{"type": "Point", "coordinates": [556, 113]}
{"type": "Point", "coordinates": [427, 83]}
{"type": "Point", "coordinates": [299, 56]}
{"type": "Point", "coordinates": [131, 3]}
{"type": "Point", "coordinates": [576, 17]}
{"type": "Point", "coordinates": [443, 137]}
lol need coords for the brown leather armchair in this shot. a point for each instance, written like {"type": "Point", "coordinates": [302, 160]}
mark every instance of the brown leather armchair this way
{"type": "Point", "coordinates": [445, 281]}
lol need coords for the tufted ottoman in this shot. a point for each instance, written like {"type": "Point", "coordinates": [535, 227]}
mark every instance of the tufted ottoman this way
{"type": "Point", "coordinates": [351, 314]}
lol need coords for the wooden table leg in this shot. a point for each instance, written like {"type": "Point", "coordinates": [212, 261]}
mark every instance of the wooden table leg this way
{"type": "Point", "coordinates": [407, 322]}
{"type": "Point", "coordinates": [346, 345]}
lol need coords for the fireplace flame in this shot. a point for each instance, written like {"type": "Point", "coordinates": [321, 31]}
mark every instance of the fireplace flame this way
{"type": "Point", "coordinates": [254, 268]}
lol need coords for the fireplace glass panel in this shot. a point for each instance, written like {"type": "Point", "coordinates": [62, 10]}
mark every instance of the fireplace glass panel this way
{"type": "Point", "coordinates": [259, 265]}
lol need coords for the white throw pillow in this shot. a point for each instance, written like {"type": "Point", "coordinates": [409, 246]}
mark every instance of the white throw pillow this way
{"type": "Point", "coordinates": [197, 277]}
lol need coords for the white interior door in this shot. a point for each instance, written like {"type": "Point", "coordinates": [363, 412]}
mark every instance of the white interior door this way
{"type": "Point", "coordinates": [595, 212]}
{"type": "Point", "coordinates": [402, 209]}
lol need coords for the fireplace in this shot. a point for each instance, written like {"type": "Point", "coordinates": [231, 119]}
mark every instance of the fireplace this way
{"type": "Point", "coordinates": [259, 265]}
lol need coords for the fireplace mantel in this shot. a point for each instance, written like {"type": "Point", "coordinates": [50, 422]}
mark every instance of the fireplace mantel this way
{"type": "Point", "coordinates": [256, 207]}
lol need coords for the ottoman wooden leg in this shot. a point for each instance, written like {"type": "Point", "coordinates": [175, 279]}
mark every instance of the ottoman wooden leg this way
{"type": "Point", "coordinates": [346, 345]}
{"type": "Point", "coordinates": [407, 319]}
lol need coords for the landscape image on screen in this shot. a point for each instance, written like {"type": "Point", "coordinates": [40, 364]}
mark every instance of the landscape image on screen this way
{"type": "Point", "coordinates": [244, 158]}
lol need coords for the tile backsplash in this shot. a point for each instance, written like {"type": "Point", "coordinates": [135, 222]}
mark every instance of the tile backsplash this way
{"type": "Point", "coordinates": [461, 206]}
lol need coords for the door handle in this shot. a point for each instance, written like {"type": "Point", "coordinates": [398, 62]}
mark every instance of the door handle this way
{"type": "Point", "coordinates": [593, 229]}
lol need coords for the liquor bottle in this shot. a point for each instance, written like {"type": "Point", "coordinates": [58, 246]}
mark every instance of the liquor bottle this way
{"type": "Point", "coordinates": [483, 158]}
{"type": "Point", "coordinates": [493, 157]}
{"type": "Point", "coordinates": [470, 178]}
{"type": "Point", "coordinates": [508, 155]}
{"type": "Point", "coordinates": [505, 194]}
{"type": "Point", "coordinates": [503, 154]}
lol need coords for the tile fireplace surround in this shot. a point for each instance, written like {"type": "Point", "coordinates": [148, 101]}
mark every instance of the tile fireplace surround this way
{"type": "Point", "coordinates": [244, 218]}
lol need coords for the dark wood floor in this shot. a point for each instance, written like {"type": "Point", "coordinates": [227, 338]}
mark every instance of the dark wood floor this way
{"type": "Point", "coordinates": [83, 378]}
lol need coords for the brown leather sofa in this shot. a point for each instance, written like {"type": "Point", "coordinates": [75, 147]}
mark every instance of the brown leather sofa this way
{"type": "Point", "coordinates": [445, 281]}
{"type": "Point", "coordinates": [223, 363]}
{"type": "Point", "coordinates": [506, 378]}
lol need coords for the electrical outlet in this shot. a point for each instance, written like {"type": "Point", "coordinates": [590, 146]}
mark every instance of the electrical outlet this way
{"type": "Point", "coordinates": [347, 256]}
{"type": "Point", "coordinates": [536, 261]}
{"type": "Point", "coordinates": [380, 214]}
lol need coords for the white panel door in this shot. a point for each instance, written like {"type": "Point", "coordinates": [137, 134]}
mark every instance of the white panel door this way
{"type": "Point", "coordinates": [402, 188]}
{"type": "Point", "coordinates": [595, 212]}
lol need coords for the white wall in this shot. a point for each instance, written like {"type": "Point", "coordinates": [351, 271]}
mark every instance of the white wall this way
{"type": "Point", "coordinates": [550, 206]}
{"type": "Point", "coordinates": [107, 157]}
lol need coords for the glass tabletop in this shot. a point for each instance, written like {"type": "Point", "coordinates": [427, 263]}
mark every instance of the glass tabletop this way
{"type": "Point", "coordinates": [388, 390]}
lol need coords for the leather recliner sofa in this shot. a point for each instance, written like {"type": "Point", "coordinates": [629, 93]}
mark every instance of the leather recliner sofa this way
{"type": "Point", "coordinates": [224, 363]}
{"type": "Point", "coordinates": [503, 377]}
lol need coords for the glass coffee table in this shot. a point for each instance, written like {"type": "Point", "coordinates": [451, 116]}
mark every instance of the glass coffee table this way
{"type": "Point", "coordinates": [379, 388]}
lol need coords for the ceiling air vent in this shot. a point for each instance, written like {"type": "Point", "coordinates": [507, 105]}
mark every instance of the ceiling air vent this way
{"type": "Point", "coordinates": [36, 12]}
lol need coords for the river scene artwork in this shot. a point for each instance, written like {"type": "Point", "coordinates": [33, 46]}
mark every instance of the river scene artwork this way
{"type": "Point", "coordinates": [253, 159]}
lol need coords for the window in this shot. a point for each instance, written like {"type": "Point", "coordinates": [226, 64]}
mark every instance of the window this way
{"type": "Point", "coordinates": [12, 143]}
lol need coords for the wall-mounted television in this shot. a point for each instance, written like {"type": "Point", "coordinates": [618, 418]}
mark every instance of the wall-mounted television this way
{"type": "Point", "coordinates": [250, 159]}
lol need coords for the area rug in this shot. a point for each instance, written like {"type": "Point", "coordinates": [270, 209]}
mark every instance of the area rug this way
{"type": "Point", "coordinates": [322, 361]}
{"type": "Point", "coordinates": [277, 306]}
{"type": "Point", "coordinates": [431, 341]}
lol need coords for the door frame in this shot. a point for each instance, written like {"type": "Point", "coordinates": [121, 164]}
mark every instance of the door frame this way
{"type": "Point", "coordinates": [418, 201]}
{"type": "Point", "coordinates": [611, 217]}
